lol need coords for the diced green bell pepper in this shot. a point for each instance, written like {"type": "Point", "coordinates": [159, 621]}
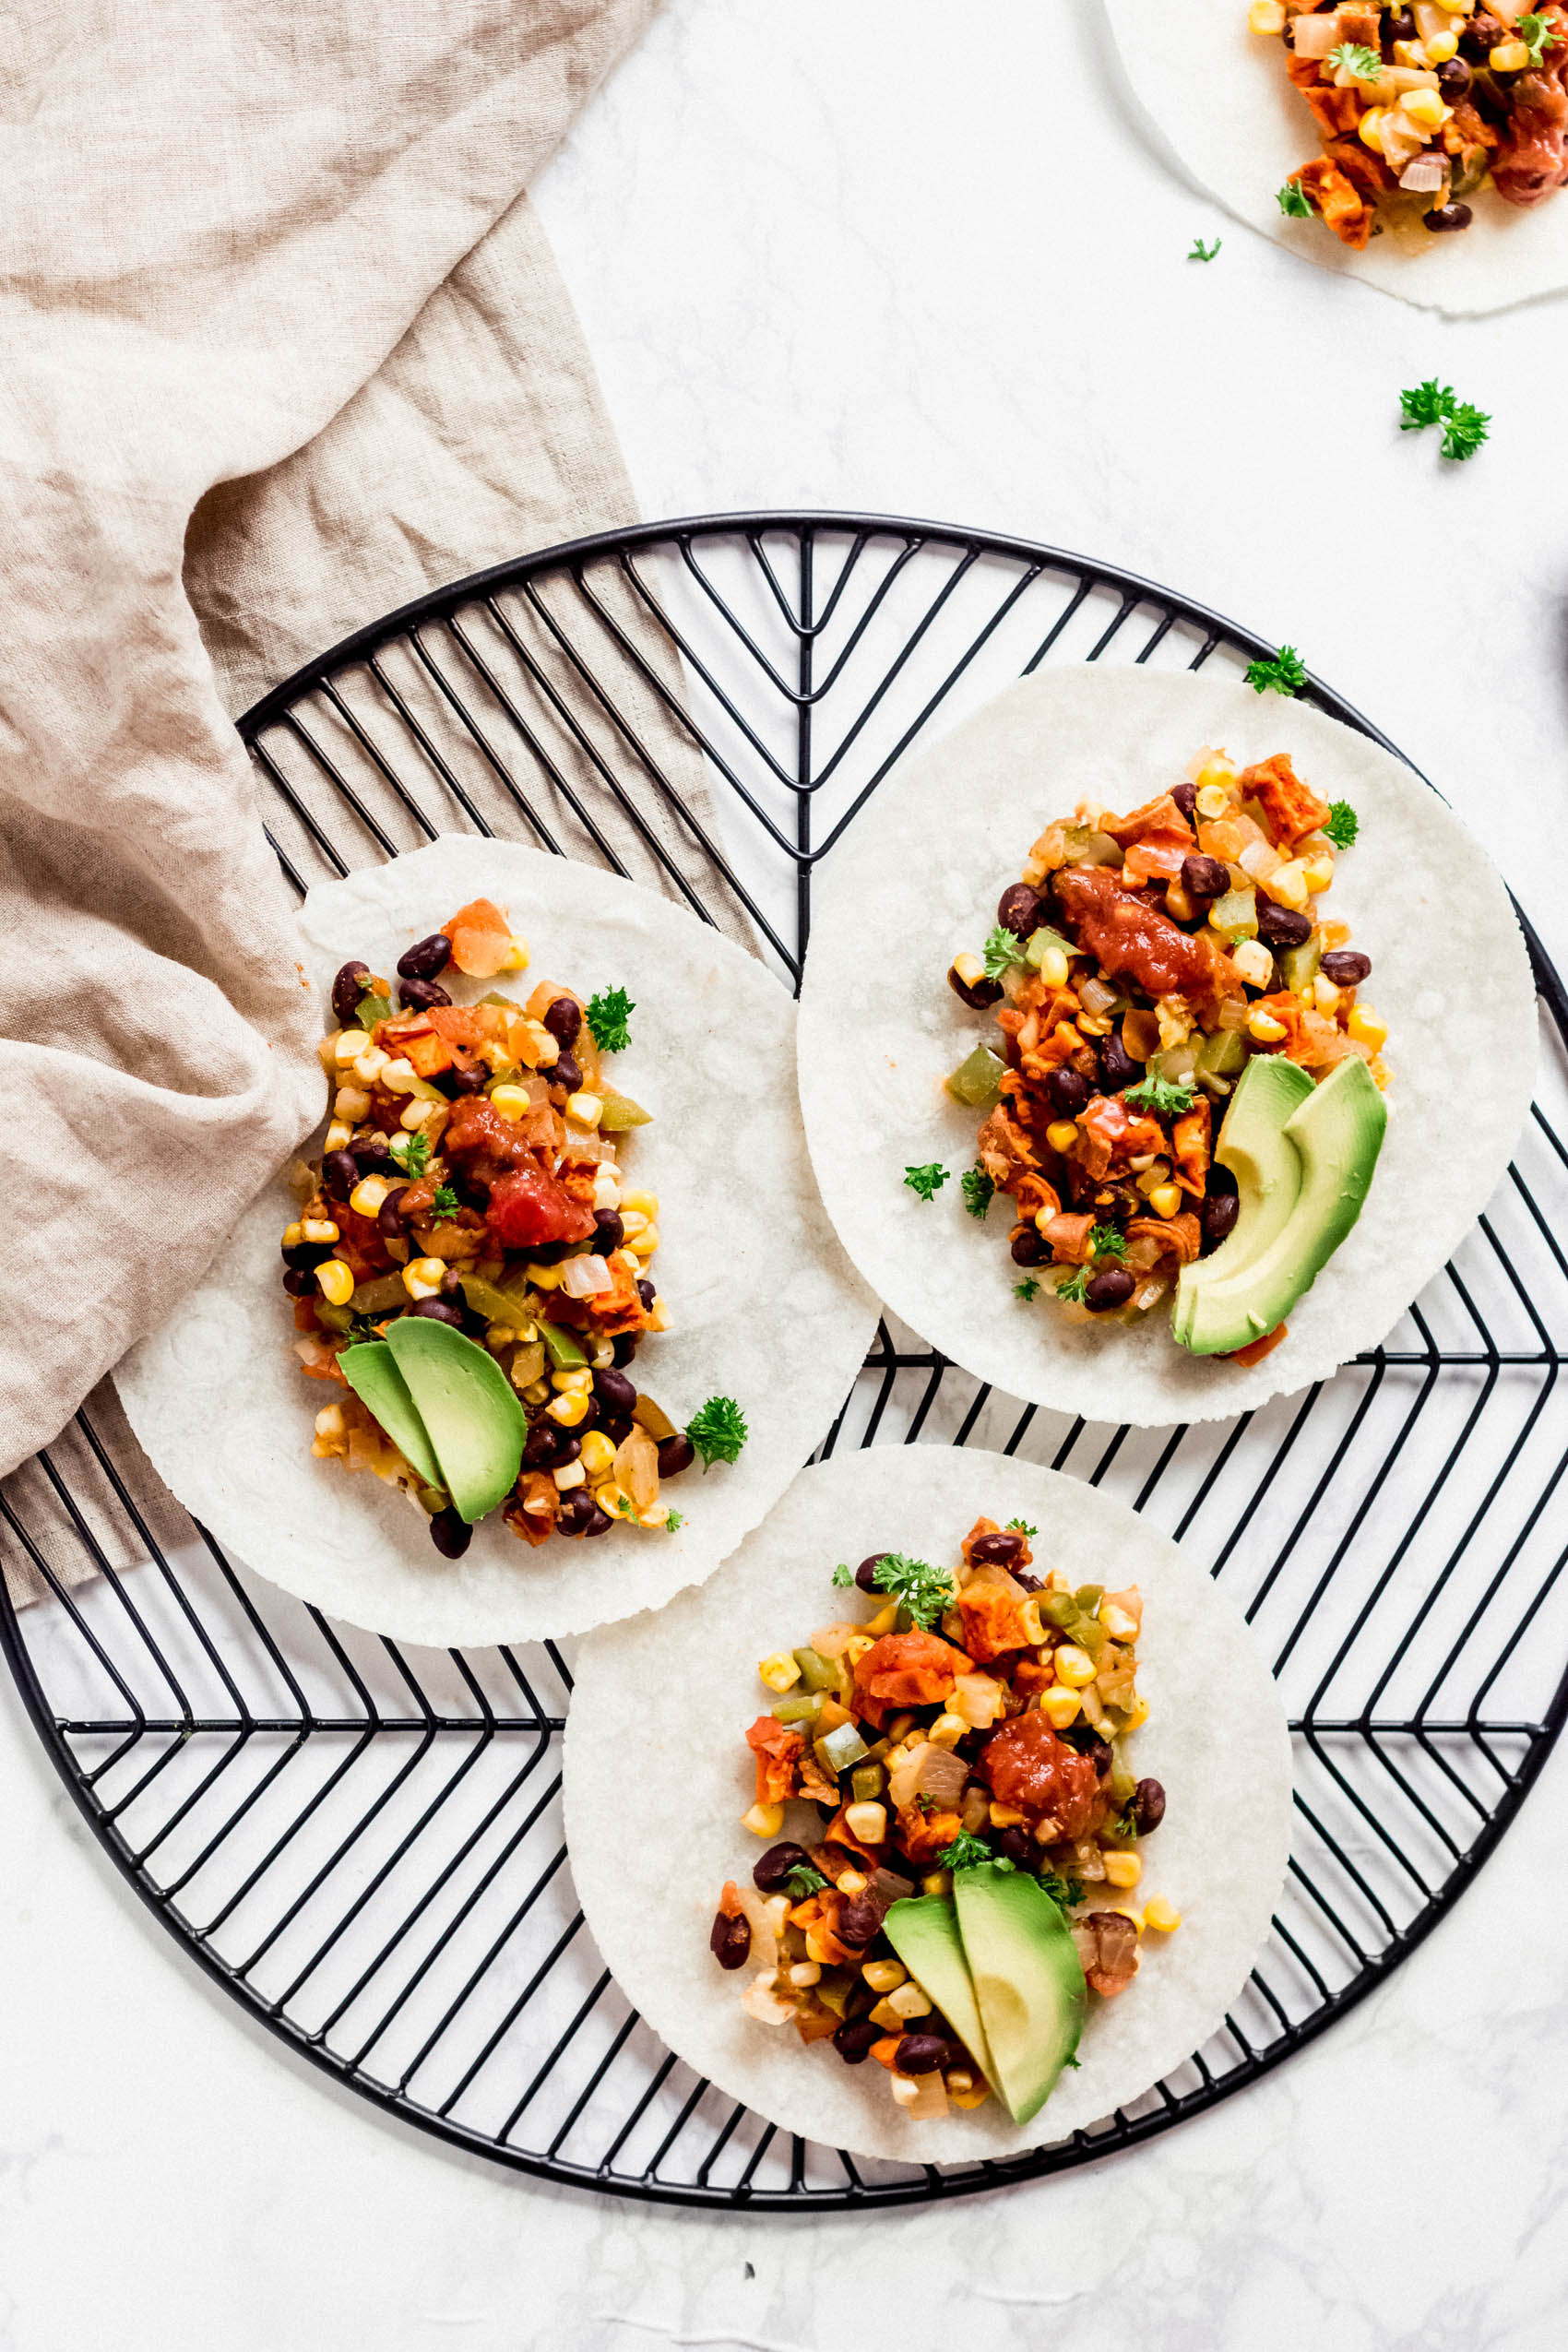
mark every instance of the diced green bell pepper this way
{"type": "Point", "coordinates": [1177, 1062]}
{"type": "Point", "coordinates": [818, 1673]}
{"type": "Point", "coordinates": [867, 1783]}
{"type": "Point", "coordinates": [566, 1355]}
{"type": "Point", "coordinates": [1236, 914]}
{"type": "Point", "coordinates": [619, 1112]}
{"type": "Point", "coordinates": [507, 1307]}
{"type": "Point", "coordinates": [1089, 1597]}
{"type": "Point", "coordinates": [977, 1081]}
{"type": "Point", "coordinates": [334, 1318]}
{"type": "Point", "coordinates": [803, 1707]}
{"type": "Point", "coordinates": [1223, 1056]}
{"type": "Point", "coordinates": [1087, 846]}
{"type": "Point", "coordinates": [1058, 1608]}
{"type": "Point", "coordinates": [1297, 966]}
{"type": "Point", "coordinates": [529, 1364]}
{"type": "Point", "coordinates": [833, 1988]}
{"type": "Point", "coordinates": [374, 1009]}
{"type": "Point", "coordinates": [1041, 942]}
{"type": "Point", "coordinates": [384, 1296]}
{"type": "Point", "coordinates": [840, 1748]}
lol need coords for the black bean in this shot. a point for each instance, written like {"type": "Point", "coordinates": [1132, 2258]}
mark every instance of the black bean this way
{"type": "Point", "coordinates": [1185, 796]}
{"type": "Point", "coordinates": [1218, 1215]}
{"type": "Point", "coordinates": [450, 1535]}
{"type": "Point", "coordinates": [373, 1158]}
{"type": "Point", "coordinates": [624, 1347]}
{"type": "Point", "coordinates": [1398, 24]}
{"type": "Point", "coordinates": [1117, 1067]}
{"type": "Point", "coordinates": [1453, 81]}
{"type": "Point", "coordinates": [676, 1453]}
{"type": "Point", "coordinates": [1000, 1549]}
{"type": "Point", "coordinates": [564, 1019]}
{"type": "Point", "coordinates": [921, 2054]}
{"type": "Point", "coordinates": [1346, 967]}
{"type": "Point", "coordinates": [1447, 217]}
{"type": "Point", "coordinates": [865, 1574]}
{"type": "Point", "coordinates": [451, 1283]}
{"type": "Point", "coordinates": [647, 1294]}
{"type": "Point", "coordinates": [576, 1510]}
{"type": "Point", "coordinates": [858, 1920]}
{"type": "Point", "coordinates": [304, 1257]}
{"type": "Point", "coordinates": [1014, 1845]}
{"type": "Point", "coordinates": [1281, 926]}
{"type": "Point", "coordinates": [1112, 1287]}
{"type": "Point", "coordinates": [567, 1072]}
{"type": "Point", "coordinates": [614, 1391]}
{"type": "Point", "coordinates": [419, 995]}
{"type": "Point", "coordinates": [390, 1217]}
{"type": "Point", "coordinates": [339, 1173]}
{"type": "Point", "coordinates": [617, 1426]}
{"type": "Point", "coordinates": [1100, 1753]}
{"type": "Point", "coordinates": [300, 1284]}
{"type": "Point", "coordinates": [853, 2040]}
{"type": "Point", "coordinates": [1069, 1092]}
{"type": "Point", "coordinates": [1148, 1806]}
{"type": "Point", "coordinates": [1019, 909]}
{"type": "Point", "coordinates": [438, 1311]}
{"type": "Point", "coordinates": [976, 994]}
{"type": "Point", "coordinates": [1204, 877]}
{"type": "Point", "coordinates": [1030, 1584]}
{"type": "Point", "coordinates": [776, 1865]}
{"type": "Point", "coordinates": [469, 1081]}
{"type": "Point", "coordinates": [543, 1448]}
{"type": "Point", "coordinates": [347, 991]}
{"type": "Point", "coordinates": [730, 1942]}
{"type": "Point", "coordinates": [425, 957]}
{"type": "Point", "coordinates": [598, 1522]}
{"type": "Point", "coordinates": [608, 1231]}
{"type": "Point", "coordinates": [550, 1252]}
{"type": "Point", "coordinates": [1029, 1248]}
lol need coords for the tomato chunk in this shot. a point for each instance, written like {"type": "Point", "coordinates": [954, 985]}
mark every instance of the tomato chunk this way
{"type": "Point", "coordinates": [529, 1208]}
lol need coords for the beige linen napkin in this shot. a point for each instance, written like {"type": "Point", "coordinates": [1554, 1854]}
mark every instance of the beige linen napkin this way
{"type": "Point", "coordinates": [268, 277]}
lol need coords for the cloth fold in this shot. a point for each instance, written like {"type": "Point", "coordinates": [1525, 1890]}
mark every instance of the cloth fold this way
{"type": "Point", "coordinates": [266, 277]}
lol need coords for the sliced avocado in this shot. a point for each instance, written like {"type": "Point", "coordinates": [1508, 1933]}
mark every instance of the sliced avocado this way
{"type": "Point", "coordinates": [1253, 1146]}
{"type": "Point", "coordinates": [470, 1410]}
{"type": "Point", "coordinates": [923, 1931]}
{"type": "Point", "coordinates": [380, 1386]}
{"type": "Point", "coordinates": [1027, 1979]}
{"type": "Point", "coordinates": [1337, 1134]}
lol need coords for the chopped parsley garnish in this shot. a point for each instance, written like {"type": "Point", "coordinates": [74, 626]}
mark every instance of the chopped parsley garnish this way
{"type": "Point", "coordinates": [1002, 950]}
{"type": "Point", "coordinates": [411, 1152]}
{"type": "Point", "coordinates": [924, 1593]}
{"type": "Point", "coordinates": [843, 1574]}
{"type": "Point", "coordinates": [1292, 201]}
{"type": "Point", "coordinates": [967, 1853]}
{"type": "Point", "coordinates": [606, 1017]}
{"type": "Point", "coordinates": [1464, 427]}
{"type": "Point", "coordinates": [673, 1519]}
{"type": "Point", "coordinates": [1023, 1526]}
{"type": "Point", "coordinates": [1073, 1288]}
{"type": "Point", "coordinates": [445, 1205]}
{"type": "Point", "coordinates": [1064, 1891]}
{"type": "Point", "coordinates": [1203, 252]}
{"type": "Point", "coordinates": [803, 1880]}
{"type": "Point", "coordinates": [1365, 63]}
{"type": "Point", "coordinates": [977, 1188]}
{"type": "Point", "coordinates": [1108, 1242]}
{"type": "Point", "coordinates": [717, 1430]}
{"type": "Point", "coordinates": [1027, 1289]}
{"type": "Point", "coordinates": [1166, 1096]}
{"type": "Point", "coordinates": [1284, 674]}
{"type": "Point", "coordinates": [1536, 34]}
{"type": "Point", "coordinates": [1342, 825]}
{"type": "Point", "coordinates": [927, 1180]}
{"type": "Point", "coordinates": [374, 1008]}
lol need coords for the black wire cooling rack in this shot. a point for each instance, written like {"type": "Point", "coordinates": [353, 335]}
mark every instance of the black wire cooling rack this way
{"type": "Point", "coordinates": [362, 1843]}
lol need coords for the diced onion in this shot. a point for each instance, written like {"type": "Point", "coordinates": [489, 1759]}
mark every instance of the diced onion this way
{"type": "Point", "coordinates": [1425, 176]}
{"type": "Point", "coordinates": [1315, 35]}
{"type": "Point", "coordinates": [585, 1277]}
{"type": "Point", "coordinates": [1096, 997]}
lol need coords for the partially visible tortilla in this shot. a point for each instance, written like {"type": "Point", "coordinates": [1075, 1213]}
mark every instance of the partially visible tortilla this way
{"type": "Point", "coordinates": [918, 877]}
{"type": "Point", "coordinates": [657, 1775]}
{"type": "Point", "coordinates": [1220, 100]}
{"type": "Point", "coordinates": [763, 1306]}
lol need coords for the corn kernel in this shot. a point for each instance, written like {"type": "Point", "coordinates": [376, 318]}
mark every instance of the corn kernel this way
{"type": "Point", "coordinates": [852, 1882]}
{"type": "Point", "coordinates": [423, 1277]}
{"type": "Point", "coordinates": [350, 1104]}
{"type": "Point", "coordinates": [781, 1672]}
{"type": "Point", "coordinates": [1218, 774]}
{"type": "Point", "coordinates": [1319, 870]}
{"type": "Point", "coordinates": [1075, 1667]}
{"type": "Point", "coordinates": [1424, 106]}
{"type": "Point", "coordinates": [647, 1241]}
{"type": "Point", "coordinates": [336, 1281]}
{"type": "Point", "coordinates": [885, 1619]}
{"type": "Point", "coordinates": [632, 1221]}
{"type": "Point", "coordinates": [318, 1229]}
{"type": "Point", "coordinates": [1440, 47]}
{"type": "Point", "coordinates": [326, 1054]}
{"type": "Point", "coordinates": [584, 1110]}
{"type": "Point", "coordinates": [976, 2096]}
{"type": "Point", "coordinates": [947, 1730]}
{"type": "Point", "coordinates": [614, 1501]}
{"type": "Point", "coordinates": [1161, 1916]}
{"type": "Point", "coordinates": [645, 1204]}
{"type": "Point", "coordinates": [578, 1382]}
{"type": "Point", "coordinates": [499, 1337]}
{"type": "Point", "coordinates": [512, 1102]}
{"type": "Point", "coordinates": [806, 1972]}
{"type": "Point", "coordinates": [1060, 1705]}
{"type": "Point", "coordinates": [1265, 1027]}
{"type": "Point", "coordinates": [535, 1392]}
{"type": "Point", "coordinates": [654, 1516]}
{"type": "Point", "coordinates": [889, 2019]}
{"type": "Point", "coordinates": [1062, 1134]}
{"type": "Point", "coordinates": [568, 1410]}
{"type": "Point", "coordinates": [368, 1066]}
{"type": "Point", "coordinates": [1253, 962]}
{"type": "Point", "coordinates": [516, 957]}
{"type": "Point", "coordinates": [763, 1821]}
{"type": "Point", "coordinates": [937, 1883]}
{"type": "Point", "coordinates": [350, 1044]}
{"type": "Point", "coordinates": [883, 1975]}
{"type": "Point", "coordinates": [1122, 1869]}
{"type": "Point", "coordinates": [1213, 799]}
{"type": "Point", "coordinates": [1364, 1025]}
{"type": "Point", "coordinates": [1508, 57]}
{"type": "Point", "coordinates": [340, 1136]}
{"type": "Point", "coordinates": [415, 1114]}
{"type": "Point", "coordinates": [1054, 967]}
{"type": "Point", "coordinates": [293, 1236]}
{"type": "Point", "coordinates": [1326, 997]}
{"type": "Point", "coordinates": [1005, 1816]}
{"type": "Point", "coordinates": [909, 2001]}
{"type": "Point", "coordinates": [867, 1823]}
{"type": "Point", "coordinates": [329, 1421]}
{"type": "Point", "coordinates": [544, 1277]}
{"type": "Point", "coordinates": [400, 1076]}
{"type": "Point", "coordinates": [1287, 884]}
{"type": "Point", "coordinates": [569, 1474]}
{"type": "Point", "coordinates": [1028, 1618]}
{"type": "Point", "coordinates": [1139, 1716]}
{"type": "Point", "coordinates": [1370, 128]}
{"type": "Point", "coordinates": [1116, 1621]}
{"type": "Point", "coordinates": [368, 1194]}
{"type": "Point", "coordinates": [1265, 15]}
{"type": "Point", "coordinates": [1128, 1911]}
{"type": "Point", "coordinates": [1165, 1199]}
{"type": "Point", "coordinates": [969, 969]}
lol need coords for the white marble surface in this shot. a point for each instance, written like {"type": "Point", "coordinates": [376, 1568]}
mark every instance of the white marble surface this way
{"type": "Point", "coordinates": [889, 253]}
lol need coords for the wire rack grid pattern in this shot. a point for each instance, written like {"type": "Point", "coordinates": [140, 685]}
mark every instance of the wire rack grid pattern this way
{"type": "Point", "coordinates": [362, 1843]}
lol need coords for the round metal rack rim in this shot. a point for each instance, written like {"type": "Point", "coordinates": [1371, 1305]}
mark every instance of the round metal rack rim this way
{"type": "Point", "coordinates": [559, 677]}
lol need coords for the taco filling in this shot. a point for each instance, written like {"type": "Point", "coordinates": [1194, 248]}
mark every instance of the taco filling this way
{"type": "Point", "coordinates": [1157, 977]}
{"type": "Point", "coordinates": [967, 1892]}
{"type": "Point", "coordinates": [1418, 108]}
{"type": "Point", "coordinates": [469, 1271]}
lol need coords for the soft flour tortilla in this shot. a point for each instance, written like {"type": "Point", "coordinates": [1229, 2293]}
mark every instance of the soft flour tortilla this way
{"type": "Point", "coordinates": [918, 877]}
{"type": "Point", "coordinates": [762, 1305]}
{"type": "Point", "coordinates": [654, 1794]}
{"type": "Point", "coordinates": [1219, 97]}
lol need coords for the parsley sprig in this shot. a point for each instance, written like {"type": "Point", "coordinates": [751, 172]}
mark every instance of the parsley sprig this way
{"type": "Point", "coordinates": [1066, 1890]}
{"type": "Point", "coordinates": [1166, 1096]}
{"type": "Point", "coordinates": [717, 1430]}
{"type": "Point", "coordinates": [803, 1880]}
{"type": "Point", "coordinates": [1108, 1242]}
{"type": "Point", "coordinates": [1022, 1524]}
{"type": "Point", "coordinates": [1027, 1289]}
{"type": "Point", "coordinates": [927, 1180]}
{"type": "Point", "coordinates": [411, 1152]}
{"type": "Point", "coordinates": [1537, 33]}
{"type": "Point", "coordinates": [1204, 253]}
{"type": "Point", "coordinates": [967, 1853]}
{"type": "Point", "coordinates": [1073, 1286]}
{"type": "Point", "coordinates": [1464, 427]}
{"type": "Point", "coordinates": [445, 1205]}
{"type": "Point", "coordinates": [1365, 63]}
{"type": "Point", "coordinates": [978, 1190]}
{"type": "Point", "coordinates": [924, 1593]}
{"type": "Point", "coordinates": [673, 1519]}
{"type": "Point", "coordinates": [1292, 201]}
{"type": "Point", "coordinates": [1002, 949]}
{"type": "Point", "coordinates": [606, 1017]}
{"type": "Point", "coordinates": [1283, 674]}
{"type": "Point", "coordinates": [1342, 824]}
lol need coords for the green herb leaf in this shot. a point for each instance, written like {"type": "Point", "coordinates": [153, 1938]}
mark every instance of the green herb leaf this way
{"type": "Point", "coordinates": [1537, 33]}
{"type": "Point", "coordinates": [843, 1574]}
{"type": "Point", "coordinates": [1073, 1286]}
{"type": "Point", "coordinates": [373, 1009]}
{"type": "Point", "coordinates": [1425, 404]}
{"type": "Point", "coordinates": [1465, 431]}
{"type": "Point", "coordinates": [411, 1152]}
{"type": "Point", "coordinates": [927, 1180]}
{"type": "Point", "coordinates": [1002, 949]}
{"type": "Point", "coordinates": [1166, 1096]}
{"type": "Point", "coordinates": [606, 1017]}
{"type": "Point", "coordinates": [1066, 1890]}
{"type": "Point", "coordinates": [445, 1205]}
{"type": "Point", "coordinates": [924, 1593]}
{"type": "Point", "coordinates": [1027, 1289]}
{"type": "Point", "coordinates": [965, 1853]}
{"type": "Point", "coordinates": [803, 1880]}
{"type": "Point", "coordinates": [717, 1430]}
{"type": "Point", "coordinates": [1365, 63]}
{"type": "Point", "coordinates": [1023, 1526]}
{"type": "Point", "coordinates": [1342, 825]}
{"type": "Point", "coordinates": [1292, 201]}
{"type": "Point", "coordinates": [1203, 252]}
{"type": "Point", "coordinates": [1108, 1242]}
{"type": "Point", "coordinates": [977, 1188]}
{"type": "Point", "coordinates": [1285, 674]}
